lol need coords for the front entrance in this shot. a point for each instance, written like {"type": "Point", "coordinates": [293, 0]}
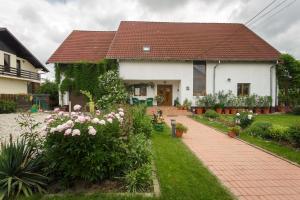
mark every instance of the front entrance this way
{"type": "Point", "coordinates": [166, 92]}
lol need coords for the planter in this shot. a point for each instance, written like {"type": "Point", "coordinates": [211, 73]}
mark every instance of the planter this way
{"type": "Point", "coordinates": [281, 109]}
{"type": "Point", "coordinates": [257, 110]}
{"type": "Point", "coordinates": [233, 111]}
{"type": "Point", "coordinates": [227, 111]}
{"type": "Point", "coordinates": [231, 134]}
{"type": "Point", "coordinates": [266, 110]}
{"type": "Point", "coordinates": [199, 111]}
{"type": "Point", "coordinates": [179, 133]}
{"type": "Point", "coordinates": [158, 127]}
{"type": "Point", "coordinates": [219, 110]}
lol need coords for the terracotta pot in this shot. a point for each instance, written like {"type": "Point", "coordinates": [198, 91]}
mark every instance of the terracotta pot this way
{"type": "Point", "coordinates": [231, 134]}
{"type": "Point", "coordinates": [179, 133]}
{"type": "Point", "coordinates": [281, 109]}
{"type": "Point", "coordinates": [227, 111]}
{"type": "Point", "coordinates": [266, 110]}
{"type": "Point", "coordinates": [257, 110]}
{"type": "Point", "coordinates": [233, 111]}
{"type": "Point", "coordinates": [199, 111]}
{"type": "Point", "coordinates": [219, 110]}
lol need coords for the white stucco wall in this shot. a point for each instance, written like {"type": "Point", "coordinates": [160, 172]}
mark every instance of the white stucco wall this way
{"type": "Point", "coordinates": [255, 73]}
{"type": "Point", "coordinates": [181, 73]}
{"type": "Point", "coordinates": [12, 86]}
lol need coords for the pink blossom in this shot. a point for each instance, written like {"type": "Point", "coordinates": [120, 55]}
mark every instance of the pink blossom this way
{"type": "Point", "coordinates": [121, 113]}
{"type": "Point", "coordinates": [75, 132]}
{"type": "Point", "coordinates": [110, 120]}
{"type": "Point", "coordinates": [70, 123]}
{"type": "Point", "coordinates": [49, 117]}
{"type": "Point", "coordinates": [60, 113]}
{"type": "Point", "coordinates": [68, 132]}
{"type": "Point", "coordinates": [98, 112]}
{"type": "Point", "coordinates": [60, 128]}
{"type": "Point", "coordinates": [95, 120]}
{"type": "Point", "coordinates": [92, 131]}
{"type": "Point", "coordinates": [81, 119]}
{"type": "Point", "coordinates": [56, 110]}
{"type": "Point", "coordinates": [77, 107]}
{"type": "Point", "coordinates": [121, 110]}
{"type": "Point", "coordinates": [88, 118]}
{"type": "Point", "coordinates": [102, 122]}
{"type": "Point", "coordinates": [52, 130]}
{"type": "Point", "coordinates": [50, 120]}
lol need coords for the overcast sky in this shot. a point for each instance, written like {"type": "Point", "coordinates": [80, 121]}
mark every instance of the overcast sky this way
{"type": "Point", "coordinates": [41, 25]}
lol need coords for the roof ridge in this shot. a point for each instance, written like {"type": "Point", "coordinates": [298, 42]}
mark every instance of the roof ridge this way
{"type": "Point", "coordinates": [75, 30]}
{"type": "Point", "coordinates": [171, 22]}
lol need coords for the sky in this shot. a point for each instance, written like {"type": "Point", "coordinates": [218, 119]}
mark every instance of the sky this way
{"type": "Point", "coordinates": [42, 25]}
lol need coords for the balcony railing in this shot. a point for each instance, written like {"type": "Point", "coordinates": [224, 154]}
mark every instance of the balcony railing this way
{"type": "Point", "coordinates": [20, 73]}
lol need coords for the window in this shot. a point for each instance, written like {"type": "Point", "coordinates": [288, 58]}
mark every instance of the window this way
{"type": "Point", "coordinates": [6, 62]}
{"type": "Point", "coordinates": [199, 78]}
{"type": "Point", "coordinates": [140, 90]}
{"type": "Point", "coordinates": [18, 68]}
{"type": "Point", "coordinates": [243, 89]}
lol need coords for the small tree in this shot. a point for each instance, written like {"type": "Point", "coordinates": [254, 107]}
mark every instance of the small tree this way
{"type": "Point", "coordinates": [50, 88]}
{"type": "Point", "coordinates": [111, 90]}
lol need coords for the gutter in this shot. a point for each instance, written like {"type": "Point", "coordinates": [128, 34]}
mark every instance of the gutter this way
{"type": "Point", "coordinates": [271, 83]}
{"type": "Point", "coordinates": [214, 77]}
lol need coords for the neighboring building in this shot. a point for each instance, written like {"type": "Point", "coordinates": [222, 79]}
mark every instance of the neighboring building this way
{"type": "Point", "coordinates": [18, 67]}
{"type": "Point", "coordinates": [182, 60]}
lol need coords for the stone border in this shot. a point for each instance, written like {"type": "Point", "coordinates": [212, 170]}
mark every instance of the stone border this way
{"type": "Point", "coordinates": [156, 189]}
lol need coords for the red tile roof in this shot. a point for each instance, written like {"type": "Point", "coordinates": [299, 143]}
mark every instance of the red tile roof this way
{"type": "Point", "coordinates": [189, 41]}
{"type": "Point", "coordinates": [90, 46]}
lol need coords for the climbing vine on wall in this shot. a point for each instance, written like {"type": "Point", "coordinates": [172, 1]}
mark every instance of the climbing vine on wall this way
{"type": "Point", "coordinates": [82, 76]}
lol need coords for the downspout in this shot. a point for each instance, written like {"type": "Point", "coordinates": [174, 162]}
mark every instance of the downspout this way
{"type": "Point", "coordinates": [271, 84]}
{"type": "Point", "coordinates": [214, 77]}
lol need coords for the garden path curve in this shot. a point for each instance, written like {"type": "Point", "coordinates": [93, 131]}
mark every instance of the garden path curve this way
{"type": "Point", "coordinates": [248, 172]}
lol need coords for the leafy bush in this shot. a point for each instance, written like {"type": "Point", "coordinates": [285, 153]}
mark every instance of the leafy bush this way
{"type": "Point", "coordinates": [211, 114]}
{"type": "Point", "coordinates": [296, 110]}
{"type": "Point", "coordinates": [20, 171]}
{"type": "Point", "coordinates": [141, 123]}
{"type": "Point", "coordinates": [294, 134]}
{"type": "Point", "coordinates": [261, 129]}
{"type": "Point", "coordinates": [139, 180]}
{"type": "Point", "coordinates": [244, 119]}
{"type": "Point", "coordinates": [210, 100]}
{"type": "Point", "coordinates": [278, 133]}
{"type": "Point", "coordinates": [235, 129]}
{"type": "Point", "coordinates": [7, 106]}
{"type": "Point", "coordinates": [180, 127]}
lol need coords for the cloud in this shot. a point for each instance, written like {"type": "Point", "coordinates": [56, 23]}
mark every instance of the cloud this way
{"type": "Point", "coordinates": [42, 25]}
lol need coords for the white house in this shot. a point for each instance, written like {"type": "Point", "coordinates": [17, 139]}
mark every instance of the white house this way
{"type": "Point", "coordinates": [185, 60]}
{"type": "Point", "coordinates": [19, 69]}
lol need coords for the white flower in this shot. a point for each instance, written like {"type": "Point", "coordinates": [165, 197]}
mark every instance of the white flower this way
{"type": "Point", "coordinates": [110, 120]}
{"type": "Point", "coordinates": [92, 131]}
{"type": "Point", "coordinates": [49, 117]}
{"type": "Point", "coordinates": [102, 122]}
{"type": "Point", "coordinates": [56, 109]}
{"type": "Point", "coordinates": [249, 117]}
{"type": "Point", "coordinates": [77, 120]}
{"type": "Point", "coordinates": [77, 107]}
{"type": "Point", "coordinates": [98, 112]}
{"type": "Point", "coordinates": [88, 118]}
{"type": "Point", "coordinates": [70, 123]}
{"type": "Point", "coordinates": [81, 119]}
{"type": "Point", "coordinates": [121, 113]}
{"type": "Point", "coordinates": [121, 110]}
{"type": "Point", "coordinates": [95, 120]}
{"type": "Point", "coordinates": [75, 132]}
{"type": "Point", "coordinates": [238, 114]}
{"type": "Point", "coordinates": [60, 113]}
{"type": "Point", "coordinates": [120, 120]}
{"type": "Point", "coordinates": [52, 130]}
{"type": "Point", "coordinates": [68, 132]}
{"type": "Point", "coordinates": [251, 111]}
{"type": "Point", "coordinates": [117, 116]}
{"type": "Point", "coordinates": [66, 114]}
{"type": "Point", "coordinates": [60, 128]}
{"type": "Point", "coordinates": [49, 121]}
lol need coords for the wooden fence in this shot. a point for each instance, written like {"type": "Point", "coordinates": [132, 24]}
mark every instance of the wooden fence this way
{"type": "Point", "coordinates": [23, 101]}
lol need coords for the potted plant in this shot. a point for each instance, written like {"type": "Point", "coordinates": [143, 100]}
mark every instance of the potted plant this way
{"type": "Point", "coordinates": [281, 108]}
{"type": "Point", "coordinates": [234, 131]}
{"type": "Point", "coordinates": [228, 103]}
{"type": "Point", "coordinates": [159, 99]}
{"type": "Point", "coordinates": [200, 106]}
{"type": "Point", "coordinates": [234, 102]}
{"type": "Point", "coordinates": [91, 102]}
{"type": "Point", "coordinates": [180, 129]}
{"type": "Point", "coordinates": [221, 99]}
{"type": "Point", "coordinates": [209, 101]}
{"type": "Point", "coordinates": [187, 104]}
{"type": "Point", "coordinates": [267, 102]}
{"type": "Point", "coordinates": [259, 104]}
{"type": "Point", "coordinates": [250, 102]}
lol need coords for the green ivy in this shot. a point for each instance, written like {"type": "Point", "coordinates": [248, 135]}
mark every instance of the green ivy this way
{"type": "Point", "coordinates": [83, 75]}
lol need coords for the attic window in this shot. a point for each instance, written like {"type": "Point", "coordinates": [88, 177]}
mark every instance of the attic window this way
{"type": "Point", "coordinates": [146, 48]}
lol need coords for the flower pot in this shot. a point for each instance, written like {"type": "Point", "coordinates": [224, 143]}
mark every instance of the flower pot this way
{"type": "Point", "coordinates": [281, 109]}
{"type": "Point", "coordinates": [199, 111]}
{"type": "Point", "coordinates": [233, 111]}
{"type": "Point", "coordinates": [226, 111]}
{"type": "Point", "coordinates": [231, 134]}
{"type": "Point", "coordinates": [257, 110]}
{"type": "Point", "coordinates": [179, 133]}
{"type": "Point", "coordinates": [219, 110]}
{"type": "Point", "coordinates": [266, 110]}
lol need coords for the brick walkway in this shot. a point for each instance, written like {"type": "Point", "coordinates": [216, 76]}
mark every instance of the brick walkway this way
{"type": "Point", "coordinates": [247, 171]}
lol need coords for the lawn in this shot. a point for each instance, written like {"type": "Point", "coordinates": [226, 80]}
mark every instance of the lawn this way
{"type": "Point", "coordinates": [181, 175]}
{"type": "Point", "coordinates": [287, 152]}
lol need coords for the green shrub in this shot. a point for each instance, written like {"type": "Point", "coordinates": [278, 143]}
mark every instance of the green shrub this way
{"type": "Point", "coordinates": [7, 106]}
{"type": "Point", "coordinates": [140, 121]}
{"type": "Point", "coordinates": [211, 114]}
{"type": "Point", "coordinates": [139, 180]}
{"type": "Point", "coordinates": [20, 171]}
{"type": "Point", "coordinates": [235, 129]}
{"type": "Point", "coordinates": [180, 127]}
{"type": "Point", "coordinates": [278, 133]}
{"type": "Point", "coordinates": [294, 134]}
{"type": "Point", "coordinates": [261, 129]}
{"type": "Point", "coordinates": [296, 110]}
{"type": "Point", "coordinates": [244, 119]}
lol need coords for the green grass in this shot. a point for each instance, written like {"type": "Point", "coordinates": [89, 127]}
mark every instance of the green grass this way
{"type": "Point", "coordinates": [181, 175]}
{"type": "Point", "coordinates": [287, 152]}
{"type": "Point", "coordinates": [279, 119]}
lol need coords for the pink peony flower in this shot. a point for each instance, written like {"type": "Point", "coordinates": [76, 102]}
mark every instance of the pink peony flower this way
{"type": "Point", "coordinates": [81, 119]}
{"type": "Point", "coordinates": [92, 131]}
{"type": "Point", "coordinates": [60, 113]}
{"type": "Point", "coordinates": [70, 123]}
{"type": "Point", "coordinates": [75, 132]}
{"type": "Point", "coordinates": [60, 128]}
{"type": "Point", "coordinates": [49, 121]}
{"type": "Point", "coordinates": [49, 117]}
{"type": "Point", "coordinates": [77, 107]}
{"type": "Point", "coordinates": [88, 118]}
{"type": "Point", "coordinates": [110, 120]}
{"type": "Point", "coordinates": [98, 112]}
{"type": "Point", "coordinates": [52, 130]}
{"type": "Point", "coordinates": [102, 122]}
{"type": "Point", "coordinates": [95, 121]}
{"type": "Point", "coordinates": [68, 132]}
{"type": "Point", "coordinates": [121, 113]}
{"type": "Point", "coordinates": [56, 110]}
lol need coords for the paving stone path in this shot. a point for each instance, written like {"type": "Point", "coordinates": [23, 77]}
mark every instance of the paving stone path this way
{"type": "Point", "coordinates": [248, 172]}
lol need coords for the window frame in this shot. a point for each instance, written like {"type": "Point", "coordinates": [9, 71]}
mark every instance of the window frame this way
{"type": "Point", "coordinates": [142, 90]}
{"type": "Point", "coordinates": [8, 64]}
{"type": "Point", "coordinates": [242, 89]}
{"type": "Point", "coordinates": [18, 67]}
{"type": "Point", "coordinates": [203, 92]}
